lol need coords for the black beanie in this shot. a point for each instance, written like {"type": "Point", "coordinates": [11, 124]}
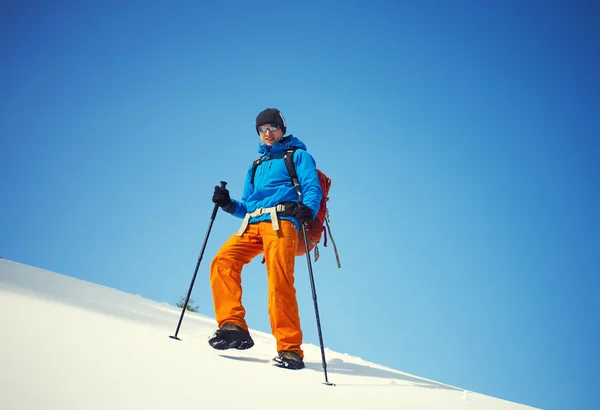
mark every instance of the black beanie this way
{"type": "Point", "coordinates": [271, 116]}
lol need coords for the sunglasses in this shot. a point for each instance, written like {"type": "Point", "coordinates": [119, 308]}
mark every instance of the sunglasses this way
{"type": "Point", "coordinates": [264, 128]}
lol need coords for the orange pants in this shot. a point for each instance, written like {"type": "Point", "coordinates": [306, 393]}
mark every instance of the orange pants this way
{"type": "Point", "coordinates": [279, 249]}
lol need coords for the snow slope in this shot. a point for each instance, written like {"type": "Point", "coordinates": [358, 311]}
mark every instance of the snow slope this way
{"type": "Point", "coordinates": [70, 344]}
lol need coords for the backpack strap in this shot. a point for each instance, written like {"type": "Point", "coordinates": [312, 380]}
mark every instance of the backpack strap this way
{"type": "Point", "coordinates": [288, 157]}
{"type": "Point", "coordinates": [291, 168]}
{"type": "Point", "coordinates": [255, 165]}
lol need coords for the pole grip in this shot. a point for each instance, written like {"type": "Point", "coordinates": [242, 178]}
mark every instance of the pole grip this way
{"type": "Point", "coordinates": [216, 208]}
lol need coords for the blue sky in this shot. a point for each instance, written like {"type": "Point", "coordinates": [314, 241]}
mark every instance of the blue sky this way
{"type": "Point", "coordinates": [461, 138]}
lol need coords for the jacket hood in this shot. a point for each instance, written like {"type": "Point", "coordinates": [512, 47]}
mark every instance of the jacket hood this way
{"type": "Point", "coordinates": [279, 148]}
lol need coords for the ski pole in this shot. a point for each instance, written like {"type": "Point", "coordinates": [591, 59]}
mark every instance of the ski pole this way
{"type": "Point", "coordinates": [314, 295]}
{"type": "Point", "coordinates": [187, 298]}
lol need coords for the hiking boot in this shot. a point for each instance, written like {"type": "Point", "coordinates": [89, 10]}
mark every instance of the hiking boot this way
{"type": "Point", "coordinates": [289, 360]}
{"type": "Point", "coordinates": [230, 336]}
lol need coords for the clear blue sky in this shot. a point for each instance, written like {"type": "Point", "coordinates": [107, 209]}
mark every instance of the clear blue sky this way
{"type": "Point", "coordinates": [461, 138]}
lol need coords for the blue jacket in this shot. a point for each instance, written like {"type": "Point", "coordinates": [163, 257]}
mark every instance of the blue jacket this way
{"type": "Point", "coordinates": [273, 184]}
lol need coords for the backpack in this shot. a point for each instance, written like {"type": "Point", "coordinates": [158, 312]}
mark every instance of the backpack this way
{"type": "Point", "coordinates": [315, 229]}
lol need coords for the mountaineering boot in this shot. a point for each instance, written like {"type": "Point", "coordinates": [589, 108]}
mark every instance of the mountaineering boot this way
{"type": "Point", "coordinates": [289, 360]}
{"type": "Point", "coordinates": [230, 336]}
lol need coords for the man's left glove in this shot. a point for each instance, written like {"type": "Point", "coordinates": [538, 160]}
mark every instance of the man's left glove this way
{"type": "Point", "coordinates": [303, 214]}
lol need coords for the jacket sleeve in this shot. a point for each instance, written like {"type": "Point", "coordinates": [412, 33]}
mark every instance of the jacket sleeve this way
{"type": "Point", "coordinates": [310, 187]}
{"type": "Point", "coordinates": [240, 206]}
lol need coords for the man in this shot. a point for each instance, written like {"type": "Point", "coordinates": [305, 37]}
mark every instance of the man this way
{"type": "Point", "coordinates": [273, 216]}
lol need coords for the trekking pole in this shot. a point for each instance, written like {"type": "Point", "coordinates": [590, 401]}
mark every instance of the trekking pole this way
{"type": "Point", "coordinates": [314, 295]}
{"type": "Point", "coordinates": [187, 298]}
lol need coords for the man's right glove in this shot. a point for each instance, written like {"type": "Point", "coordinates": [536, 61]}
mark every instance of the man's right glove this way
{"type": "Point", "coordinates": [221, 197]}
{"type": "Point", "coordinates": [303, 214]}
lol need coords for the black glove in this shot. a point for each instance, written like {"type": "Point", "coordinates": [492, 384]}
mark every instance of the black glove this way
{"type": "Point", "coordinates": [303, 214]}
{"type": "Point", "coordinates": [221, 197]}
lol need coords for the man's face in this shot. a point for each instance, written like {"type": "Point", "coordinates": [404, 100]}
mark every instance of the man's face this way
{"type": "Point", "coordinates": [270, 134]}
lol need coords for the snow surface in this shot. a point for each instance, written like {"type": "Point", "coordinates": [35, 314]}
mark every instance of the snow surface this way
{"type": "Point", "coordinates": [70, 344]}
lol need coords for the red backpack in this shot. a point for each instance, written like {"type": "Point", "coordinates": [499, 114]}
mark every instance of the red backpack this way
{"type": "Point", "coordinates": [315, 229]}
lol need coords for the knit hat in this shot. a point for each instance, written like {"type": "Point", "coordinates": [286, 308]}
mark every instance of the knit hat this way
{"type": "Point", "coordinates": [270, 116]}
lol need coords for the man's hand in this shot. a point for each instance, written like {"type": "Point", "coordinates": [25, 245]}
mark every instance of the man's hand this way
{"type": "Point", "coordinates": [221, 197]}
{"type": "Point", "coordinates": [303, 214]}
